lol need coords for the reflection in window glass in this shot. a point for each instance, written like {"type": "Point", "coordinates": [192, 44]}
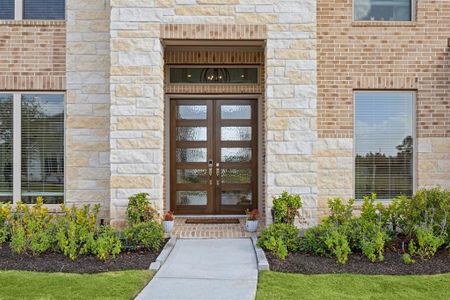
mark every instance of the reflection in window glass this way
{"type": "Point", "coordinates": [235, 133]}
{"type": "Point", "coordinates": [236, 154]}
{"type": "Point", "coordinates": [6, 147]}
{"type": "Point", "coordinates": [191, 154]}
{"type": "Point", "coordinates": [236, 198]}
{"type": "Point", "coordinates": [191, 197]}
{"type": "Point", "coordinates": [192, 176]}
{"type": "Point", "coordinates": [382, 10]}
{"type": "Point", "coordinates": [191, 133]}
{"type": "Point", "coordinates": [6, 9]}
{"type": "Point", "coordinates": [236, 175]}
{"type": "Point", "coordinates": [238, 112]}
{"type": "Point", "coordinates": [214, 75]}
{"type": "Point", "coordinates": [44, 9]}
{"type": "Point", "coordinates": [42, 147]}
{"type": "Point", "coordinates": [191, 112]}
{"type": "Point", "coordinates": [384, 143]}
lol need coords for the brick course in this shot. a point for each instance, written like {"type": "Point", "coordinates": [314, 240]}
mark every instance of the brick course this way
{"type": "Point", "coordinates": [32, 55]}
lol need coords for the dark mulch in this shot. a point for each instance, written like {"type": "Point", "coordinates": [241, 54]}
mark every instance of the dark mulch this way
{"type": "Point", "coordinates": [57, 262]}
{"type": "Point", "coordinates": [359, 264]}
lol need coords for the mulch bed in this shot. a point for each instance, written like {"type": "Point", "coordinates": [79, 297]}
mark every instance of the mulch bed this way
{"type": "Point", "coordinates": [57, 262]}
{"type": "Point", "coordinates": [359, 264]}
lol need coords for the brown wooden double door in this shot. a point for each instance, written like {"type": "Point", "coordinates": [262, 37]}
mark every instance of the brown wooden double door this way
{"type": "Point", "coordinates": [213, 156]}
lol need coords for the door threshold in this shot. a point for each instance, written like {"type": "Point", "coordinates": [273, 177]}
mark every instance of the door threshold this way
{"type": "Point", "coordinates": [210, 216]}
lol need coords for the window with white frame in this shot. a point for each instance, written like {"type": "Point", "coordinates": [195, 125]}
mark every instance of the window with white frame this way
{"type": "Point", "coordinates": [32, 9]}
{"type": "Point", "coordinates": [383, 10]}
{"type": "Point", "coordinates": [384, 143]}
{"type": "Point", "coordinates": [32, 147]}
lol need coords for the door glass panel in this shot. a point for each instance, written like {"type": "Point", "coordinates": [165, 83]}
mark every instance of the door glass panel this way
{"type": "Point", "coordinates": [236, 198]}
{"type": "Point", "coordinates": [240, 112]}
{"type": "Point", "coordinates": [192, 197]}
{"type": "Point", "coordinates": [236, 175]}
{"type": "Point", "coordinates": [191, 154]}
{"type": "Point", "coordinates": [192, 176]}
{"type": "Point", "coordinates": [191, 133]}
{"type": "Point", "coordinates": [236, 133]}
{"type": "Point", "coordinates": [236, 154]}
{"type": "Point", "coordinates": [214, 75]}
{"type": "Point", "coordinates": [191, 112]}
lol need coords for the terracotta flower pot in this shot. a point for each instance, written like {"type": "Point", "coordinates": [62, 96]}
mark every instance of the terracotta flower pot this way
{"type": "Point", "coordinates": [251, 226]}
{"type": "Point", "coordinates": [168, 226]}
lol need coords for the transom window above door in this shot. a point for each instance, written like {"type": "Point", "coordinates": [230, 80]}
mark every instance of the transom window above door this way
{"type": "Point", "coordinates": [383, 10]}
{"type": "Point", "coordinates": [213, 74]}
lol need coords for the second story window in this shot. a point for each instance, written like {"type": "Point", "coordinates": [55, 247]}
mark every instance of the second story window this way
{"type": "Point", "coordinates": [382, 10]}
{"type": "Point", "coordinates": [32, 9]}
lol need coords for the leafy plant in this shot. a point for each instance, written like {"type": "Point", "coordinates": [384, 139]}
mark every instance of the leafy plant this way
{"type": "Point", "coordinates": [168, 216]}
{"type": "Point", "coordinates": [107, 244]}
{"type": "Point", "coordinates": [286, 208]}
{"type": "Point", "coordinates": [32, 229]}
{"type": "Point", "coordinates": [5, 215]}
{"type": "Point", "coordinates": [313, 241]}
{"type": "Point", "coordinates": [340, 213]}
{"type": "Point", "coordinates": [252, 215]}
{"type": "Point", "coordinates": [428, 242]}
{"type": "Point", "coordinates": [140, 210]}
{"type": "Point", "coordinates": [407, 259]}
{"type": "Point", "coordinates": [337, 244]}
{"type": "Point", "coordinates": [279, 239]}
{"type": "Point", "coordinates": [148, 235]}
{"type": "Point", "coordinates": [76, 230]}
{"type": "Point", "coordinates": [372, 241]}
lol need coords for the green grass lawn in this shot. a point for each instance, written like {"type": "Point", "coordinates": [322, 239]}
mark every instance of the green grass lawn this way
{"type": "Point", "coordinates": [280, 286]}
{"type": "Point", "coordinates": [112, 285]}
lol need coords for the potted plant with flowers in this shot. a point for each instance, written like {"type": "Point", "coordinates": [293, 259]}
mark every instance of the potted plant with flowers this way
{"type": "Point", "coordinates": [168, 222]}
{"type": "Point", "coordinates": [251, 224]}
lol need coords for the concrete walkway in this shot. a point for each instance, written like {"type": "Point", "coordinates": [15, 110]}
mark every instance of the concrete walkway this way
{"type": "Point", "coordinates": [206, 269]}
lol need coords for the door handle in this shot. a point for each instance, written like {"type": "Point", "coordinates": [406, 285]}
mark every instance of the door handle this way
{"type": "Point", "coordinates": [217, 174]}
{"type": "Point", "coordinates": [210, 170]}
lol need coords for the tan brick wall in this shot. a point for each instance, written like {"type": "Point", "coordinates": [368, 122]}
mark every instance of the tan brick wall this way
{"type": "Point", "coordinates": [32, 55]}
{"type": "Point", "coordinates": [377, 55]}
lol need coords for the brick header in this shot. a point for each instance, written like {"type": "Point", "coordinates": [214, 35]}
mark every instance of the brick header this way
{"type": "Point", "coordinates": [213, 31]}
{"type": "Point", "coordinates": [35, 83]}
{"type": "Point", "coordinates": [384, 82]}
{"type": "Point", "coordinates": [33, 22]}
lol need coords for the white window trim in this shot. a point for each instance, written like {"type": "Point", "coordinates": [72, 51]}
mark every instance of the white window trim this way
{"type": "Point", "coordinates": [413, 14]}
{"type": "Point", "coordinates": [18, 11]}
{"type": "Point", "coordinates": [414, 133]}
{"type": "Point", "coordinates": [17, 143]}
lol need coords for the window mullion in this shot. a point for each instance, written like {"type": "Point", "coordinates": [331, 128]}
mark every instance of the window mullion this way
{"type": "Point", "coordinates": [17, 146]}
{"type": "Point", "coordinates": [18, 9]}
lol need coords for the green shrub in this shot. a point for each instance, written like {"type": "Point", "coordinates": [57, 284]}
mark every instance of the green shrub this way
{"type": "Point", "coordinates": [140, 210]}
{"type": "Point", "coordinates": [285, 208]}
{"type": "Point", "coordinates": [5, 215]}
{"type": "Point", "coordinates": [149, 235]}
{"type": "Point", "coordinates": [407, 259]}
{"type": "Point", "coordinates": [279, 239]}
{"type": "Point", "coordinates": [337, 244]}
{"type": "Point", "coordinates": [313, 241]}
{"type": "Point", "coordinates": [32, 228]}
{"type": "Point", "coordinates": [372, 241]}
{"type": "Point", "coordinates": [76, 229]}
{"type": "Point", "coordinates": [107, 244]}
{"type": "Point", "coordinates": [428, 242]}
{"type": "Point", "coordinates": [340, 213]}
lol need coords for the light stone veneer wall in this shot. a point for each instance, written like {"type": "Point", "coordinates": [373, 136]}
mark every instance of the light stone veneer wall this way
{"type": "Point", "coordinates": [88, 103]}
{"type": "Point", "coordinates": [137, 98]}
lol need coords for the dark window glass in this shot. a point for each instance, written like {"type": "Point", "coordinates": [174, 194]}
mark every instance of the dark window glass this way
{"type": "Point", "coordinates": [382, 10]}
{"type": "Point", "coordinates": [384, 144]}
{"type": "Point", "coordinates": [43, 148]}
{"type": "Point", "coordinates": [44, 9]}
{"type": "Point", "coordinates": [6, 147]}
{"type": "Point", "coordinates": [6, 9]}
{"type": "Point", "coordinates": [213, 75]}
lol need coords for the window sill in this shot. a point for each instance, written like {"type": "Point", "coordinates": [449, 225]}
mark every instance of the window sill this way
{"type": "Point", "coordinates": [384, 23]}
{"type": "Point", "coordinates": [33, 22]}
